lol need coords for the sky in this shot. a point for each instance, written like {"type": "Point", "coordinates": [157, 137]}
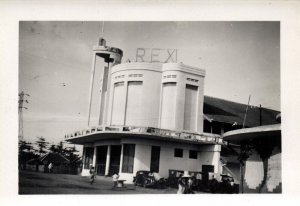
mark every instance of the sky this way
{"type": "Point", "coordinates": [240, 59]}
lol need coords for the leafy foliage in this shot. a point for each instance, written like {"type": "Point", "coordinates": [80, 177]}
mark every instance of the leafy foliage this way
{"type": "Point", "coordinates": [42, 145]}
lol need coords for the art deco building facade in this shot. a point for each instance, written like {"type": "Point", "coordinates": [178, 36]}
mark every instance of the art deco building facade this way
{"type": "Point", "coordinates": [151, 118]}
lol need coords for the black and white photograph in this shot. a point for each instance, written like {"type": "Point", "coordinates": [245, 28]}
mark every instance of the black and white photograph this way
{"type": "Point", "coordinates": [138, 107]}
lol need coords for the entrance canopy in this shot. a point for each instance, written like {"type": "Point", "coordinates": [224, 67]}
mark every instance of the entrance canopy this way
{"type": "Point", "coordinates": [102, 132]}
{"type": "Point", "coordinates": [267, 131]}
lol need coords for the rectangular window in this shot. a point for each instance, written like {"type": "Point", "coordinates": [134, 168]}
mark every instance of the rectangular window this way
{"type": "Point", "coordinates": [88, 157]}
{"type": "Point", "coordinates": [193, 154]}
{"type": "Point", "coordinates": [128, 158]}
{"type": "Point", "coordinates": [178, 152]}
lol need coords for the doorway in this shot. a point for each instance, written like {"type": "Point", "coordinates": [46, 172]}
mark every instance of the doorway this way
{"type": "Point", "coordinates": [101, 160]}
{"type": "Point", "coordinates": [155, 155]}
{"type": "Point", "coordinates": [205, 170]}
{"type": "Point", "coordinates": [115, 155]}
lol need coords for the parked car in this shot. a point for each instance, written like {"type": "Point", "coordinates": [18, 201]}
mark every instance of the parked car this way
{"type": "Point", "coordinates": [146, 179]}
{"type": "Point", "coordinates": [226, 186]}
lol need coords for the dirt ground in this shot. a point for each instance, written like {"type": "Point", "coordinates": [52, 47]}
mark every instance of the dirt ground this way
{"type": "Point", "coordinates": [45, 183]}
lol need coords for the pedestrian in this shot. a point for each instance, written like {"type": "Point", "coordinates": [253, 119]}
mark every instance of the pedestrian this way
{"type": "Point", "coordinates": [189, 189]}
{"type": "Point", "coordinates": [181, 185]}
{"type": "Point", "coordinates": [115, 180]}
{"type": "Point", "coordinates": [50, 166]}
{"type": "Point", "coordinates": [213, 185]}
{"type": "Point", "coordinates": [92, 173]}
{"type": "Point", "coordinates": [187, 183]}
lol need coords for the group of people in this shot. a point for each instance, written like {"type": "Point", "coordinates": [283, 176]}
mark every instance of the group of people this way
{"type": "Point", "coordinates": [93, 177]}
{"type": "Point", "coordinates": [185, 184]}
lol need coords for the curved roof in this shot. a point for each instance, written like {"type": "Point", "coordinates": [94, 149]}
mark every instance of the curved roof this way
{"type": "Point", "coordinates": [225, 111]}
{"type": "Point", "coordinates": [118, 132]}
{"type": "Point", "coordinates": [236, 136]}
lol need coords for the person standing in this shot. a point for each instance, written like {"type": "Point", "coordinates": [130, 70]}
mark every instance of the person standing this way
{"type": "Point", "coordinates": [93, 175]}
{"type": "Point", "coordinates": [50, 166]}
{"type": "Point", "coordinates": [115, 180]}
{"type": "Point", "coordinates": [181, 185]}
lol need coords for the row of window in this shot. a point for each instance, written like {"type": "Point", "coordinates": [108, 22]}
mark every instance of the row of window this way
{"type": "Point", "coordinates": [128, 157]}
{"type": "Point", "coordinates": [164, 84]}
{"type": "Point", "coordinates": [169, 76]}
{"type": "Point", "coordinates": [193, 154]}
{"type": "Point", "coordinates": [135, 75]}
{"type": "Point", "coordinates": [130, 75]}
{"type": "Point", "coordinates": [192, 80]}
{"type": "Point", "coordinates": [117, 84]}
{"type": "Point", "coordinates": [164, 77]}
{"type": "Point", "coordinates": [120, 76]}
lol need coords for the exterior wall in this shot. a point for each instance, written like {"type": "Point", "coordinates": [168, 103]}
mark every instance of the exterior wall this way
{"type": "Point", "coordinates": [183, 75]}
{"type": "Point", "coordinates": [151, 95]}
{"type": "Point", "coordinates": [147, 113]}
{"type": "Point", "coordinates": [207, 155]}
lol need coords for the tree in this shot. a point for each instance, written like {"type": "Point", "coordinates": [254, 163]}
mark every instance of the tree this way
{"type": "Point", "coordinates": [26, 152]}
{"type": "Point", "coordinates": [53, 148]}
{"type": "Point", "coordinates": [70, 153]}
{"type": "Point", "coordinates": [60, 147]}
{"type": "Point", "coordinates": [42, 145]}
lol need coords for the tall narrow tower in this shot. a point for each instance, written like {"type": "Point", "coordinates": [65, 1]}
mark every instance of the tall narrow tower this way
{"type": "Point", "coordinates": [111, 56]}
{"type": "Point", "coordinates": [22, 100]}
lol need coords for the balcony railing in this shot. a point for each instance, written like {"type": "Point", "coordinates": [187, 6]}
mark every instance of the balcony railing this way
{"type": "Point", "coordinates": [183, 135]}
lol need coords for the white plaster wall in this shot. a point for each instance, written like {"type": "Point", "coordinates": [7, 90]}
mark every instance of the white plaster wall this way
{"type": "Point", "coordinates": [183, 74]}
{"type": "Point", "coordinates": [153, 76]}
{"type": "Point", "coordinates": [142, 157]}
{"type": "Point", "coordinates": [210, 156]}
{"type": "Point", "coordinates": [207, 155]}
{"type": "Point", "coordinates": [150, 97]}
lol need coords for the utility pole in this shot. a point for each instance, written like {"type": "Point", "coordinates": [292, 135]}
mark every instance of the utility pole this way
{"type": "Point", "coordinates": [260, 115]}
{"type": "Point", "coordinates": [244, 122]}
{"type": "Point", "coordinates": [22, 100]}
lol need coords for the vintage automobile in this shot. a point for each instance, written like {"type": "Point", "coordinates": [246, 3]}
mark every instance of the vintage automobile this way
{"type": "Point", "coordinates": [146, 179]}
{"type": "Point", "coordinates": [226, 186]}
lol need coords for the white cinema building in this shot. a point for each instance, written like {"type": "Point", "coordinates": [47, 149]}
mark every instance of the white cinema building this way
{"type": "Point", "coordinates": [151, 118]}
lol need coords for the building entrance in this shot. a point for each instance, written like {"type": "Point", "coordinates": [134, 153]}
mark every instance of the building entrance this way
{"type": "Point", "coordinates": [155, 154]}
{"type": "Point", "coordinates": [101, 160]}
{"type": "Point", "coordinates": [115, 156]}
{"type": "Point", "coordinates": [205, 170]}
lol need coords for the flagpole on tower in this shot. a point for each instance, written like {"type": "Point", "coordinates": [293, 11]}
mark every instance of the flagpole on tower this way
{"type": "Point", "coordinates": [102, 33]}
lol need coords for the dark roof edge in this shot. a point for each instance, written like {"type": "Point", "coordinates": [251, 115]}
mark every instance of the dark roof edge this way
{"type": "Point", "coordinates": [272, 110]}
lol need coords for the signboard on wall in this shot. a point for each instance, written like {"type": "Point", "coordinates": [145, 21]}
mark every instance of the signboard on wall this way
{"type": "Point", "coordinates": [156, 55]}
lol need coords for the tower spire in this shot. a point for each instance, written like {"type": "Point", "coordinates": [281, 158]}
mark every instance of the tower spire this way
{"type": "Point", "coordinates": [101, 40]}
{"type": "Point", "coordinates": [102, 33]}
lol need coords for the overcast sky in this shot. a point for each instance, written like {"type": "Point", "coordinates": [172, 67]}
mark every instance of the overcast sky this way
{"type": "Point", "coordinates": [240, 58]}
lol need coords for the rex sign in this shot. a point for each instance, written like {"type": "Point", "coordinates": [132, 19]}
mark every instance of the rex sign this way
{"type": "Point", "coordinates": [156, 55]}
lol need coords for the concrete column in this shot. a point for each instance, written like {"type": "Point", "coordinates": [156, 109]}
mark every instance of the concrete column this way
{"type": "Point", "coordinates": [121, 158]}
{"type": "Point", "coordinates": [94, 156]}
{"type": "Point", "coordinates": [83, 158]}
{"type": "Point", "coordinates": [91, 86]}
{"type": "Point", "coordinates": [103, 88]}
{"type": "Point", "coordinates": [107, 160]}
